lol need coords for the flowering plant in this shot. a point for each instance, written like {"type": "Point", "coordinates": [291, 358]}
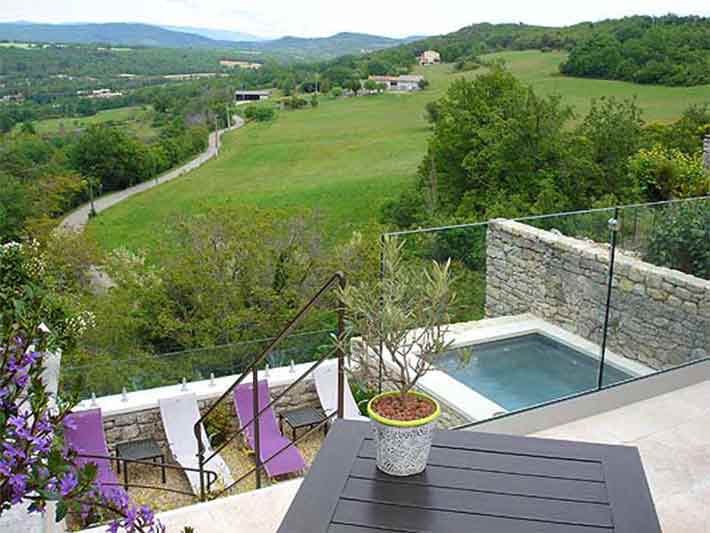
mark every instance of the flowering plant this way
{"type": "Point", "coordinates": [35, 466]}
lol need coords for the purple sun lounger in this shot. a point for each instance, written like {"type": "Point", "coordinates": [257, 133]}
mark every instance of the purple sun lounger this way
{"type": "Point", "coordinates": [84, 432]}
{"type": "Point", "coordinates": [271, 441]}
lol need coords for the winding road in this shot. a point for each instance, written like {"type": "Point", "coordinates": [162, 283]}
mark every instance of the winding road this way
{"type": "Point", "coordinates": [78, 218]}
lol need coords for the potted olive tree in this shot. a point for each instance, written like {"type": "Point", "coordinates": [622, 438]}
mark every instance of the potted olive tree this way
{"type": "Point", "coordinates": [401, 320]}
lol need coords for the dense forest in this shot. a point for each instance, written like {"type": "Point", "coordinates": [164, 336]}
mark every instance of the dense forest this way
{"type": "Point", "coordinates": [667, 50]}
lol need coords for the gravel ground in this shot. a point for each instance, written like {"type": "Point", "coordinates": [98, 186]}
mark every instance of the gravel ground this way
{"type": "Point", "coordinates": [239, 459]}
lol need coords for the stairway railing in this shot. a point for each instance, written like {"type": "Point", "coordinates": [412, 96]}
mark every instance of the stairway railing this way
{"type": "Point", "coordinates": [336, 280]}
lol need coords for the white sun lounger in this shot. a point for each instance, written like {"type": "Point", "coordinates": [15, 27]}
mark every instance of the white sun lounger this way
{"type": "Point", "coordinates": [326, 378]}
{"type": "Point", "coordinates": [179, 416]}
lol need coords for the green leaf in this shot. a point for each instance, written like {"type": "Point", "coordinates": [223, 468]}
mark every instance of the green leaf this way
{"type": "Point", "coordinates": [61, 511]}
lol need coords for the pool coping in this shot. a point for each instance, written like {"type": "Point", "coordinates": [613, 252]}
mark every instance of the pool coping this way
{"type": "Point", "coordinates": [475, 406]}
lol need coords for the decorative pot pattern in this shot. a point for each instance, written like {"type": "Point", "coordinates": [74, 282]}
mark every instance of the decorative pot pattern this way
{"type": "Point", "coordinates": [402, 451]}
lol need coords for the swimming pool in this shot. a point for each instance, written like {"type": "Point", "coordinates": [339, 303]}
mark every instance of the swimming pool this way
{"type": "Point", "coordinates": [526, 370]}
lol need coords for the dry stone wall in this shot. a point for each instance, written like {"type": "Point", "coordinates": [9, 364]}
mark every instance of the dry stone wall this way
{"type": "Point", "coordinates": [659, 316]}
{"type": "Point", "coordinates": [148, 423]}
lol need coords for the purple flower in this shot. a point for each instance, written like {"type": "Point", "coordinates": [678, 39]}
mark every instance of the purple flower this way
{"type": "Point", "coordinates": [42, 444]}
{"type": "Point", "coordinates": [21, 379]}
{"type": "Point", "coordinates": [68, 483]}
{"type": "Point", "coordinates": [17, 422]}
{"type": "Point", "coordinates": [18, 483]}
{"type": "Point", "coordinates": [11, 452]}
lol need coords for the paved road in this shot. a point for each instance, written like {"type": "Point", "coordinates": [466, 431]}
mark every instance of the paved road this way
{"type": "Point", "coordinates": [77, 219]}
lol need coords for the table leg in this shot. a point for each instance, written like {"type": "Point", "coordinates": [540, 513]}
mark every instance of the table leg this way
{"type": "Point", "coordinates": [125, 476]}
{"type": "Point", "coordinates": [293, 434]}
{"type": "Point", "coordinates": [162, 460]}
{"type": "Point", "coordinates": [118, 462]}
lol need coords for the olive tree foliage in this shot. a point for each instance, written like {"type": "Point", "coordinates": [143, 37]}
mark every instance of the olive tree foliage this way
{"type": "Point", "coordinates": [401, 318]}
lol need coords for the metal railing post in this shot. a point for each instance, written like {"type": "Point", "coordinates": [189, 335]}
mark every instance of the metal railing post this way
{"type": "Point", "coordinates": [201, 461]}
{"type": "Point", "coordinates": [255, 421]}
{"type": "Point", "coordinates": [614, 230]}
{"type": "Point", "coordinates": [341, 353]}
{"type": "Point", "coordinates": [380, 362]}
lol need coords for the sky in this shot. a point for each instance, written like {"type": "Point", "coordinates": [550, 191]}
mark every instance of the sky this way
{"type": "Point", "coordinates": [315, 18]}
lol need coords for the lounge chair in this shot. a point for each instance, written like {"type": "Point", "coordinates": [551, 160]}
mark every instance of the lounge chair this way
{"type": "Point", "coordinates": [84, 432]}
{"type": "Point", "coordinates": [179, 416]}
{"type": "Point", "coordinates": [276, 462]}
{"type": "Point", "coordinates": [326, 378]}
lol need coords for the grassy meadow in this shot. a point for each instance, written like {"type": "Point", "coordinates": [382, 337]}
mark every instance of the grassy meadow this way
{"type": "Point", "coordinates": [346, 157]}
{"type": "Point", "coordinates": [134, 118]}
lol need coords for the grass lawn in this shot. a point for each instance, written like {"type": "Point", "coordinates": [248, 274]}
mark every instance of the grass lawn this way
{"type": "Point", "coordinates": [135, 118]}
{"type": "Point", "coordinates": [344, 158]}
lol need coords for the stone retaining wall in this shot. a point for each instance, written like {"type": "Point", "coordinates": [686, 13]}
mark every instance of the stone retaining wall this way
{"type": "Point", "coordinates": [148, 423]}
{"type": "Point", "coordinates": [659, 316]}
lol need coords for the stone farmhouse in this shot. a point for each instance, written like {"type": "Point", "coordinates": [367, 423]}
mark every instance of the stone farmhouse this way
{"type": "Point", "coordinates": [430, 57]}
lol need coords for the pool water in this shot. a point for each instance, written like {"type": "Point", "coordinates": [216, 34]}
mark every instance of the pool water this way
{"type": "Point", "coordinates": [526, 370]}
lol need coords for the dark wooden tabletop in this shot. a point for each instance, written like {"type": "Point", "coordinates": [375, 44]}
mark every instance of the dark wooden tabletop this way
{"type": "Point", "coordinates": [474, 482]}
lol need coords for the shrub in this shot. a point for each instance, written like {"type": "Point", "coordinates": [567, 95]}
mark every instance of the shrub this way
{"type": "Point", "coordinates": [680, 239]}
{"type": "Point", "coordinates": [259, 113]}
{"type": "Point", "coordinates": [219, 424]}
{"type": "Point", "coordinates": [664, 173]}
{"type": "Point", "coordinates": [295, 102]}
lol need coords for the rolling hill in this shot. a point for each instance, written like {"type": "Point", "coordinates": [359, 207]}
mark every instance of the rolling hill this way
{"type": "Point", "coordinates": [123, 34]}
{"type": "Point", "coordinates": [146, 35]}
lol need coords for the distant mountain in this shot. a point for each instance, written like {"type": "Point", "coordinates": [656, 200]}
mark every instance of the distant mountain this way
{"type": "Point", "coordinates": [325, 47]}
{"type": "Point", "coordinates": [132, 34]}
{"type": "Point", "coordinates": [218, 35]}
{"type": "Point", "coordinates": [126, 34]}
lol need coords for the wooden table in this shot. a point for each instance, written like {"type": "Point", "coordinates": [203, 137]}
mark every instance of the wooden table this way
{"type": "Point", "coordinates": [474, 483]}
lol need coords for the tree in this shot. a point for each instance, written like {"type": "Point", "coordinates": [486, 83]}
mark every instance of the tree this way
{"type": "Point", "coordinates": [110, 155]}
{"type": "Point", "coordinates": [15, 207]}
{"type": "Point", "coordinates": [613, 130]}
{"type": "Point", "coordinates": [314, 100]}
{"type": "Point", "coordinates": [354, 85]}
{"type": "Point", "coordinates": [370, 85]}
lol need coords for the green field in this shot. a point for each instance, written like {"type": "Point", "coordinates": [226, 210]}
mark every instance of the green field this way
{"type": "Point", "coordinates": [135, 119]}
{"type": "Point", "coordinates": [345, 158]}
{"type": "Point", "coordinates": [660, 104]}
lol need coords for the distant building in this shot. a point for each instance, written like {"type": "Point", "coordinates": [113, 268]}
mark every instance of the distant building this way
{"type": "Point", "coordinates": [101, 93]}
{"type": "Point", "coordinates": [251, 96]}
{"type": "Point", "coordinates": [399, 83]}
{"type": "Point", "coordinates": [233, 63]}
{"type": "Point", "coordinates": [191, 76]}
{"type": "Point", "coordinates": [430, 57]}
{"type": "Point", "coordinates": [13, 98]}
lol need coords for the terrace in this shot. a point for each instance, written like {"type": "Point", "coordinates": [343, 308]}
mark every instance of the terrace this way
{"type": "Point", "coordinates": [576, 333]}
